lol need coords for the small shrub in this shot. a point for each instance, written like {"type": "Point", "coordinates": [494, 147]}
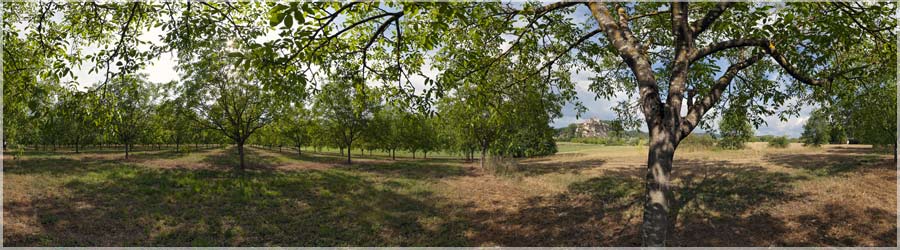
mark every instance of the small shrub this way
{"type": "Point", "coordinates": [779, 142]}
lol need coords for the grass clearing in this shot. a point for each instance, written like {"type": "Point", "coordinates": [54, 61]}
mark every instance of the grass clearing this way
{"type": "Point", "coordinates": [587, 195]}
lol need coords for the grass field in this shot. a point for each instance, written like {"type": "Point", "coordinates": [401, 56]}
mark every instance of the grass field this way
{"type": "Point", "coordinates": [586, 195]}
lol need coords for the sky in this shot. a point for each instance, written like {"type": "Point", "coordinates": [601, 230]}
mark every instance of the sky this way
{"type": "Point", "coordinates": [162, 69]}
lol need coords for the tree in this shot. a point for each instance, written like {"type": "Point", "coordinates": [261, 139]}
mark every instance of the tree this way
{"type": "Point", "coordinates": [387, 129]}
{"type": "Point", "coordinates": [865, 111]}
{"type": "Point", "coordinates": [567, 133]}
{"type": "Point", "coordinates": [294, 125]}
{"type": "Point", "coordinates": [872, 118]}
{"type": "Point", "coordinates": [27, 91]}
{"type": "Point", "coordinates": [49, 118]}
{"type": "Point", "coordinates": [131, 108]}
{"type": "Point", "coordinates": [226, 98]}
{"type": "Point", "coordinates": [81, 115]}
{"type": "Point", "coordinates": [477, 125]}
{"type": "Point", "coordinates": [177, 121]}
{"type": "Point", "coordinates": [418, 134]}
{"type": "Point", "coordinates": [816, 129]}
{"type": "Point", "coordinates": [346, 105]}
{"type": "Point", "coordinates": [735, 129]}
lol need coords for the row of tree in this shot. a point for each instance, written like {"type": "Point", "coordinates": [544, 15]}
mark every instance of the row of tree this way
{"type": "Point", "coordinates": [218, 106]}
{"type": "Point", "coordinates": [127, 112]}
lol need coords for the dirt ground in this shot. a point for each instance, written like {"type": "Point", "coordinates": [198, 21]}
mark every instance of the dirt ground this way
{"type": "Point", "coordinates": [587, 195]}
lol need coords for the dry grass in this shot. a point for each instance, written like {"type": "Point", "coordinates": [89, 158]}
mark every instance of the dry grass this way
{"type": "Point", "coordinates": [587, 195]}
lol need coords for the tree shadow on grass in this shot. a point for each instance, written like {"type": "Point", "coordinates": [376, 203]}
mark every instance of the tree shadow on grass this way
{"type": "Point", "coordinates": [715, 206]}
{"type": "Point", "coordinates": [410, 169]}
{"type": "Point", "coordinates": [830, 227]}
{"type": "Point", "coordinates": [545, 166]}
{"type": "Point", "coordinates": [854, 149]}
{"type": "Point", "coordinates": [56, 166]}
{"type": "Point", "coordinates": [229, 159]}
{"type": "Point", "coordinates": [132, 206]}
{"type": "Point", "coordinates": [61, 164]}
{"type": "Point", "coordinates": [309, 156]}
{"type": "Point", "coordinates": [828, 164]}
{"type": "Point", "coordinates": [166, 154]}
{"type": "Point", "coordinates": [596, 212]}
{"type": "Point", "coordinates": [718, 203]}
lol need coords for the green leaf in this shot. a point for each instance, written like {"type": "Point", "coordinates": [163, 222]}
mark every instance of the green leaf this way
{"type": "Point", "coordinates": [274, 19]}
{"type": "Point", "coordinates": [278, 8]}
{"type": "Point", "coordinates": [288, 21]}
{"type": "Point", "coordinates": [298, 16]}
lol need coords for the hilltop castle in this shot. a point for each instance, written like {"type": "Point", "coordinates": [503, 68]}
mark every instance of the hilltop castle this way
{"type": "Point", "coordinates": [592, 128]}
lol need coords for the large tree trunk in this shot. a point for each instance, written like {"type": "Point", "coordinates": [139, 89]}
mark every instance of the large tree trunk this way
{"type": "Point", "coordinates": [126, 151]}
{"type": "Point", "coordinates": [657, 220]}
{"type": "Point", "coordinates": [393, 156]}
{"type": "Point", "coordinates": [299, 150]}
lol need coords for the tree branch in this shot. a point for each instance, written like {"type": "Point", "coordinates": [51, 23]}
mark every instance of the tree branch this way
{"type": "Point", "coordinates": [629, 51]}
{"type": "Point", "coordinates": [701, 25]}
{"type": "Point", "coordinates": [683, 45]}
{"type": "Point", "coordinates": [735, 43]}
{"type": "Point", "coordinates": [546, 8]}
{"type": "Point", "coordinates": [697, 110]}
{"type": "Point", "coordinates": [122, 34]}
{"type": "Point", "coordinates": [792, 71]}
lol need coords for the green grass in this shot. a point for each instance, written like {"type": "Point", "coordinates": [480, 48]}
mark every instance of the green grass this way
{"type": "Point", "coordinates": [135, 205]}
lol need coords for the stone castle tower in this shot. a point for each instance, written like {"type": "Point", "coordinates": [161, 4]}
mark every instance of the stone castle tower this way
{"type": "Point", "coordinates": [592, 128]}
